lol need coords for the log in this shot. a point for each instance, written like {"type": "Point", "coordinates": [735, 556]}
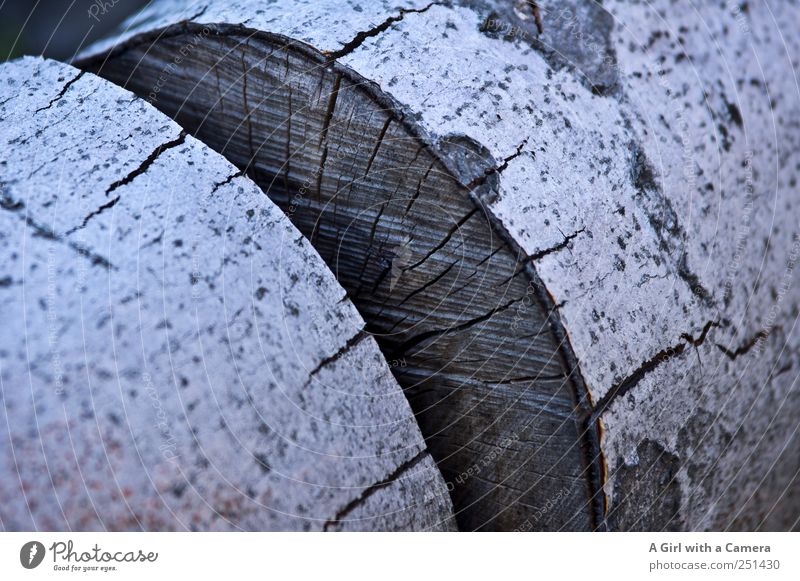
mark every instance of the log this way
{"type": "Point", "coordinates": [570, 228]}
{"type": "Point", "coordinates": [174, 354]}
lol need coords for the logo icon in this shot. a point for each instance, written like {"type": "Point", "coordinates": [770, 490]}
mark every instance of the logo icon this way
{"type": "Point", "coordinates": [31, 554]}
{"type": "Point", "coordinates": [401, 259]}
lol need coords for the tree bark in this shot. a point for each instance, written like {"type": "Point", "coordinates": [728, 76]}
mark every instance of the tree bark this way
{"type": "Point", "coordinates": [175, 355]}
{"type": "Point", "coordinates": [571, 229]}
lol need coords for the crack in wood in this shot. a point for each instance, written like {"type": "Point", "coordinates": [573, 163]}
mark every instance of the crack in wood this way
{"type": "Point", "coordinates": [100, 209]}
{"type": "Point", "coordinates": [412, 342]}
{"type": "Point", "coordinates": [633, 379]}
{"type": "Point", "coordinates": [429, 283]}
{"type": "Point", "coordinates": [362, 36]}
{"type": "Point", "coordinates": [16, 206]}
{"type": "Point", "coordinates": [746, 346]}
{"type": "Point", "coordinates": [488, 172]}
{"type": "Point", "coordinates": [560, 246]}
{"type": "Point", "coordinates": [372, 489]}
{"type": "Point", "coordinates": [442, 243]}
{"type": "Point", "coordinates": [563, 349]}
{"type": "Point", "coordinates": [226, 181]}
{"type": "Point", "coordinates": [148, 161]}
{"type": "Point", "coordinates": [375, 149]}
{"type": "Point", "coordinates": [61, 93]}
{"type": "Point", "coordinates": [342, 351]}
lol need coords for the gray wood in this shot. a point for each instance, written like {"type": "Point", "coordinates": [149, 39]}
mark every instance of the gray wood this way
{"type": "Point", "coordinates": [174, 354]}
{"type": "Point", "coordinates": [436, 284]}
{"type": "Point", "coordinates": [631, 169]}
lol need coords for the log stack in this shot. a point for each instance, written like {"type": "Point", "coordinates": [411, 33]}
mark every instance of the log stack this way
{"type": "Point", "coordinates": [570, 230]}
{"type": "Point", "coordinates": [175, 355]}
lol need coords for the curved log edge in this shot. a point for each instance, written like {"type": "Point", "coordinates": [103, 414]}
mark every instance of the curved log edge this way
{"type": "Point", "coordinates": [486, 402]}
{"type": "Point", "coordinates": [648, 181]}
{"type": "Point", "coordinates": [175, 354]}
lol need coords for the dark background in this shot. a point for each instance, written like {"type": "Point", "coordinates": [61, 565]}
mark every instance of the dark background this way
{"type": "Point", "coordinates": [58, 28]}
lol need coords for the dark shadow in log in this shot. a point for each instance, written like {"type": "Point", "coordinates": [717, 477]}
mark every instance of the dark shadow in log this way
{"type": "Point", "coordinates": [456, 308]}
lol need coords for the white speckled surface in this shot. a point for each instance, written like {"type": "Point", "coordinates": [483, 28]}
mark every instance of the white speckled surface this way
{"type": "Point", "coordinates": [677, 194]}
{"type": "Point", "coordinates": [181, 359]}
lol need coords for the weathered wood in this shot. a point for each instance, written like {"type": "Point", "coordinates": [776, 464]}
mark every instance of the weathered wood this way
{"type": "Point", "coordinates": [174, 354]}
{"type": "Point", "coordinates": [629, 171]}
{"type": "Point", "coordinates": [438, 287]}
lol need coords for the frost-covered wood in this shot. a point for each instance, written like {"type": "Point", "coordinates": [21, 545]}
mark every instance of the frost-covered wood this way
{"type": "Point", "coordinates": [174, 354]}
{"type": "Point", "coordinates": [613, 191]}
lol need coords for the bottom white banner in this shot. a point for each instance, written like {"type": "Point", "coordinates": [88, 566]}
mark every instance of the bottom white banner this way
{"type": "Point", "coordinates": [384, 556]}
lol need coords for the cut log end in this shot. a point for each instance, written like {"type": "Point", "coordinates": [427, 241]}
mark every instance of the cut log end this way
{"type": "Point", "coordinates": [668, 252]}
{"type": "Point", "coordinates": [175, 355]}
{"type": "Point", "coordinates": [464, 326]}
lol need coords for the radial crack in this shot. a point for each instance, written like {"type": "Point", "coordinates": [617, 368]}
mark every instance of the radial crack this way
{"type": "Point", "coordinates": [744, 348]}
{"type": "Point", "coordinates": [430, 283]}
{"type": "Point", "coordinates": [148, 161]}
{"type": "Point", "coordinates": [481, 179]}
{"type": "Point", "coordinates": [625, 386]}
{"type": "Point", "coordinates": [362, 36]}
{"type": "Point", "coordinates": [16, 206]}
{"type": "Point", "coordinates": [61, 93]}
{"type": "Point", "coordinates": [456, 227]}
{"type": "Point", "coordinates": [419, 338]}
{"type": "Point", "coordinates": [352, 342]}
{"type": "Point", "coordinates": [396, 473]}
{"type": "Point", "coordinates": [560, 246]}
{"type": "Point", "coordinates": [378, 143]}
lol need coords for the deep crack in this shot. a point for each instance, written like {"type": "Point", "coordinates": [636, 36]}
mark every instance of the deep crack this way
{"type": "Point", "coordinates": [108, 205]}
{"type": "Point", "coordinates": [61, 93]}
{"type": "Point", "coordinates": [362, 36]}
{"type": "Point", "coordinates": [16, 207]}
{"type": "Point", "coordinates": [627, 384]}
{"type": "Point", "coordinates": [148, 161]}
{"type": "Point", "coordinates": [744, 348]}
{"type": "Point", "coordinates": [396, 473]}
{"type": "Point", "coordinates": [560, 246]}
{"type": "Point", "coordinates": [352, 342]}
